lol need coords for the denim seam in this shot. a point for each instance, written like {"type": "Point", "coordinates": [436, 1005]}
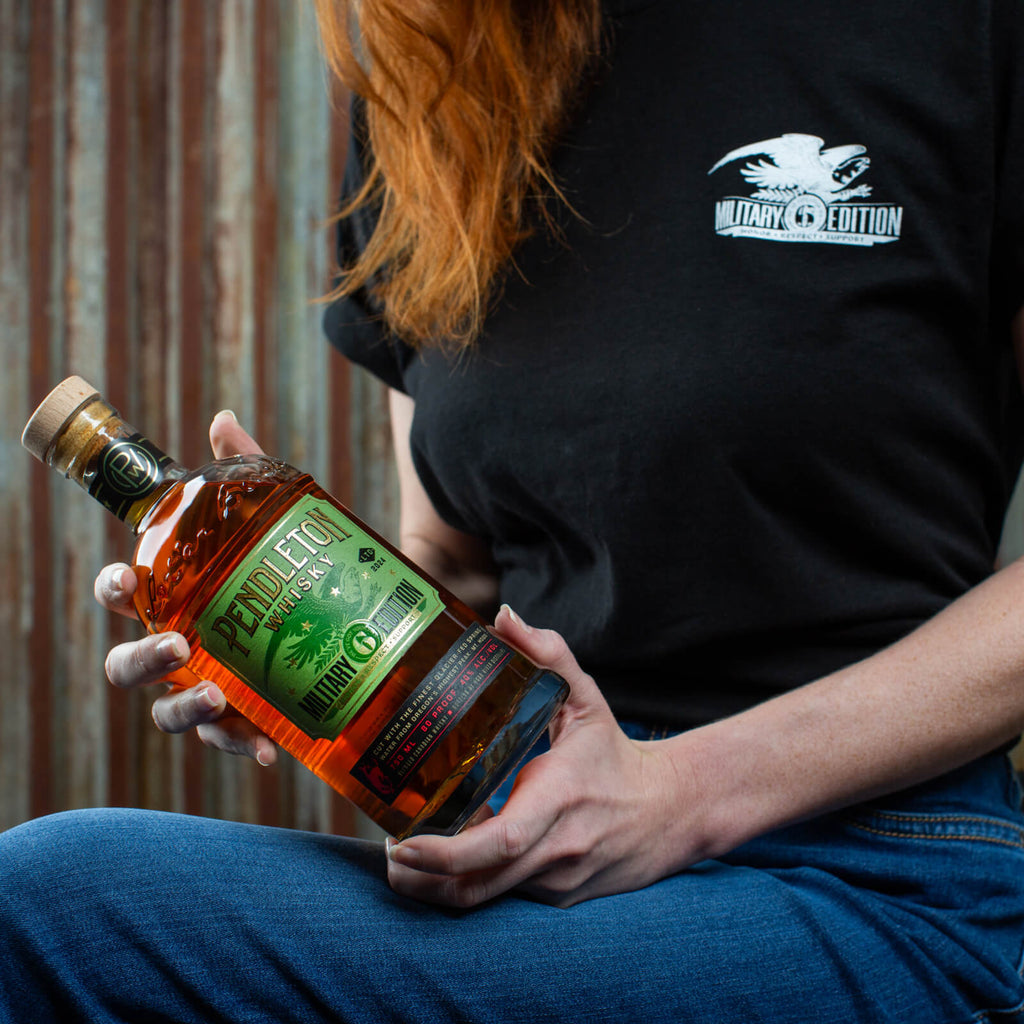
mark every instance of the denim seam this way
{"type": "Point", "coordinates": [1018, 845]}
{"type": "Point", "coordinates": [1014, 1011]}
{"type": "Point", "coordinates": [912, 816]}
{"type": "Point", "coordinates": [986, 1015]}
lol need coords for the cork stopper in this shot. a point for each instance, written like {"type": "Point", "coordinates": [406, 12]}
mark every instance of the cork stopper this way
{"type": "Point", "coordinates": [54, 412]}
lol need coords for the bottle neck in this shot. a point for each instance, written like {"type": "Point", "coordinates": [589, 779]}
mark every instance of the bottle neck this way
{"type": "Point", "coordinates": [124, 471]}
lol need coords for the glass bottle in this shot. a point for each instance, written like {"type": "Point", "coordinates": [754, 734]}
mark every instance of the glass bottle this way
{"type": "Point", "coordinates": [341, 650]}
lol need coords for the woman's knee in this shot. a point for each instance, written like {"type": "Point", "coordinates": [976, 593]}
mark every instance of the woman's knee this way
{"type": "Point", "coordinates": [31, 848]}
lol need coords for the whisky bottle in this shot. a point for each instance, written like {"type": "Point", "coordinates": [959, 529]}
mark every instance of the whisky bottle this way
{"type": "Point", "coordinates": [330, 641]}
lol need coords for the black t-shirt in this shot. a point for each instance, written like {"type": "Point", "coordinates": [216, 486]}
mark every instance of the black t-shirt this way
{"type": "Point", "coordinates": [757, 416]}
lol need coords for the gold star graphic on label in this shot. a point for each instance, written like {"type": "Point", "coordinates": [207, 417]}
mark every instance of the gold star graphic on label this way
{"type": "Point", "coordinates": [335, 592]}
{"type": "Point", "coordinates": [307, 626]}
{"type": "Point", "coordinates": [366, 575]}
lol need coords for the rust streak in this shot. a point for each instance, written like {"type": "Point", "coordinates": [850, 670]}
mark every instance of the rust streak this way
{"type": "Point", "coordinates": [118, 347]}
{"type": "Point", "coordinates": [41, 234]}
{"type": "Point", "coordinates": [192, 257]}
{"type": "Point", "coordinates": [190, 86]}
{"type": "Point", "coordinates": [265, 222]}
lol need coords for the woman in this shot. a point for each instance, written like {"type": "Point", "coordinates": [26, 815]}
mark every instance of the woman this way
{"type": "Point", "coordinates": [701, 353]}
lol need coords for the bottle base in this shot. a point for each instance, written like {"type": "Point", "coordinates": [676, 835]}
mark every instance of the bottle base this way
{"type": "Point", "coordinates": [504, 754]}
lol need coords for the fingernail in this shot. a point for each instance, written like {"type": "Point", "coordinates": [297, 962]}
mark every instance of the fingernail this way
{"type": "Point", "coordinates": [518, 621]}
{"type": "Point", "coordinates": [172, 650]}
{"type": "Point", "coordinates": [406, 856]}
{"type": "Point", "coordinates": [261, 759]}
{"type": "Point", "coordinates": [394, 851]}
{"type": "Point", "coordinates": [227, 412]}
{"type": "Point", "coordinates": [116, 583]}
{"type": "Point", "coordinates": [205, 701]}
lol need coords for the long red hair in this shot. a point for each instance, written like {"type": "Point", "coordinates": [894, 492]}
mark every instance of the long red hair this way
{"type": "Point", "coordinates": [464, 99]}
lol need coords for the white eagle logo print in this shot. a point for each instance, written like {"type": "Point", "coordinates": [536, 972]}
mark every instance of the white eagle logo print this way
{"type": "Point", "coordinates": [803, 194]}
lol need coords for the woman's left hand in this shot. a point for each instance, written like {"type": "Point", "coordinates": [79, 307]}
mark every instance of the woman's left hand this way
{"type": "Point", "coordinates": [588, 818]}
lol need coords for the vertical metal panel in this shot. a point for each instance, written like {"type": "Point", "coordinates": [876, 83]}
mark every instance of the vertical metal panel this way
{"type": "Point", "coordinates": [42, 286]}
{"type": "Point", "coordinates": [299, 362]}
{"type": "Point", "coordinates": [166, 171]}
{"type": "Point", "coordinates": [228, 782]}
{"type": "Point", "coordinates": [15, 538]}
{"type": "Point", "coordinates": [119, 355]}
{"type": "Point", "coordinates": [81, 711]}
{"type": "Point", "coordinates": [233, 153]}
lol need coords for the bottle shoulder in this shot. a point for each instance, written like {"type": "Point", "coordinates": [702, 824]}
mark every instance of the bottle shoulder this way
{"type": "Point", "coordinates": [253, 473]}
{"type": "Point", "coordinates": [258, 468]}
{"type": "Point", "coordinates": [201, 519]}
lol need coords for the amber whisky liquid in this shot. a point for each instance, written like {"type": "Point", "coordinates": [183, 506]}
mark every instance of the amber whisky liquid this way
{"type": "Point", "coordinates": [192, 543]}
{"type": "Point", "coordinates": [316, 629]}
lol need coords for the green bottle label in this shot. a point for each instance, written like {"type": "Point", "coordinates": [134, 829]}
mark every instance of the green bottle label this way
{"type": "Point", "coordinates": [315, 617]}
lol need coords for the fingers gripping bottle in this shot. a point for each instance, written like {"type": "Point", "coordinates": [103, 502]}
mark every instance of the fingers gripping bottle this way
{"type": "Point", "coordinates": [334, 644]}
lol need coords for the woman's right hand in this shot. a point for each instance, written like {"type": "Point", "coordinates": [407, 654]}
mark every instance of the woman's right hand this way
{"type": "Point", "coordinates": [161, 658]}
{"type": "Point", "coordinates": [155, 659]}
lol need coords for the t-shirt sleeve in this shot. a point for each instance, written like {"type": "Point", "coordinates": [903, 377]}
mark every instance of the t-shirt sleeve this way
{"type": "Point", "coordinates": [354, 324]}
{"type": "Point", "coordinates": [1008, 240]}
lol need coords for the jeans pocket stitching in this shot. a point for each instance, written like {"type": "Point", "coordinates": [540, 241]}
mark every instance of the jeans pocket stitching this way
{"type": "Point", "coordinates": [1016, 844]}
{"type": "Point", "coordinates": [912, 817]}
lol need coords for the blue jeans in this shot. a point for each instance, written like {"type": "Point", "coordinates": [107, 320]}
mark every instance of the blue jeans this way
{"type": "Point", "coordinates": [910, 910]}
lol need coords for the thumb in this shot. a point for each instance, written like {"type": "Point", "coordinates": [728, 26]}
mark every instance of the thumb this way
{"type": "Point", "coordinates": [228, 437]}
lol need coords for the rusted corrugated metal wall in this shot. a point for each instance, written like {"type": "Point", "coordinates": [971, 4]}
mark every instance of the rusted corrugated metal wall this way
{"type": "Point", "coordinates": [166, 170]}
